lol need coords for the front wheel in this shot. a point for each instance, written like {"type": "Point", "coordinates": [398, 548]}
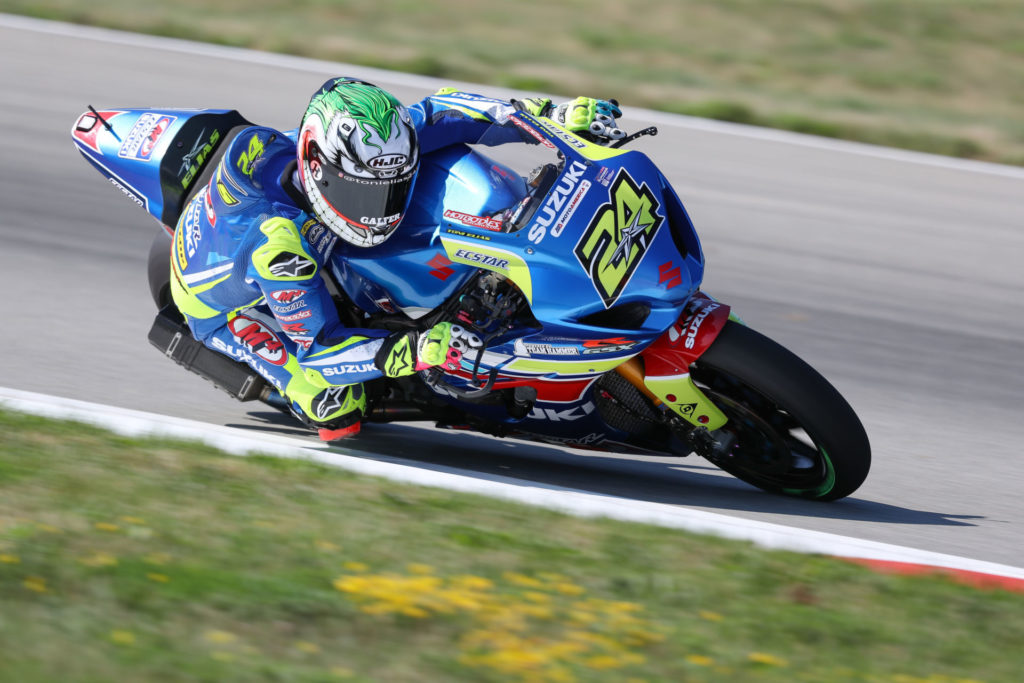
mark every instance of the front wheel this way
{"type": "Point", "coordinates": [791, 431]}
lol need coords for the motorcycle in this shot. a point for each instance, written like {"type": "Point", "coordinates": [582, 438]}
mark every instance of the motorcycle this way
{"type": "Point", "coordinates": [575, 288]}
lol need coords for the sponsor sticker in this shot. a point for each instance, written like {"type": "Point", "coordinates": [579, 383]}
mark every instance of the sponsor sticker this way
{"type": "Point", "coordinates": [532, 132]}
{"type": "Point", "coordinates": [144, 136]}
{"type": "Point", "coordinates": [555, 415]}
{"type": "Point", "coordinates": [193, 161]}
{"type": "Point", "coordinates": [691, 326]}
{"type": "Point", "coordinates": [286, 296]}
{"type": "Point", "coordinates": [288, 308]}
{"type": "Point", "coordinates": [211, 215]}
{"type": "Point", "coordinates": [352, 368]}
{"type": "Point", "coordinates": [474, 221]}
{"type": "Point", "coordinates": [482, 259]}
{"type": "Point", "coordinates": [558, 204]}
{"type": "Point", "coordinates": [259, 339]}
{"type": "Point", "coordinates": [246, 357]}
{"type": "Point", "coordinates": [387, 161]}
{"type": "Point", "coordinates": [301, 315]}
{"type": "Point", "coordinates": [562, 135]}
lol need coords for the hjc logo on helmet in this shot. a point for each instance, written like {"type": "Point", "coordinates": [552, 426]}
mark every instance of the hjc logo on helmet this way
{"type": "Point", "coordinates": [387, 161]}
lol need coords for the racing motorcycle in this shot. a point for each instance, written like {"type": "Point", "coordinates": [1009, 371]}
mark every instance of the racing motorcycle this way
{"type": "Point", "coordinates": [575, 285]}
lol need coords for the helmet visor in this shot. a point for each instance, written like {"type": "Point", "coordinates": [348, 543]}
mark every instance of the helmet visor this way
{"type": "Point", "coordinates": [372, 204]}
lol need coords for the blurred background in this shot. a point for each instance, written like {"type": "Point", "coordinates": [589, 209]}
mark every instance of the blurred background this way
{"type": "Point", "coordinates": [897, 276]}
{"type": "Point", "coordinates": [943, 76]}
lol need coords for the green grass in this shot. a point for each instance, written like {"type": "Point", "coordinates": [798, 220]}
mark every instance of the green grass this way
{"type": "Point", "coordinates": [124, 559]}
{"type": "Point", "coordinates": [944, 76]}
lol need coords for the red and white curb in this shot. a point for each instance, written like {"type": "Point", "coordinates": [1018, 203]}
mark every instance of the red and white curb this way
{"type": "Point", "coordinates": [880, 556]}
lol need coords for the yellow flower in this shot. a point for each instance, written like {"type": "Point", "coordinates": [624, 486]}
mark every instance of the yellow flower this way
{"type": "Point", "coordinates": [220, 637]}
{"type": "Point", "coordinates": [106, 526]}
{"type": "Point", "coordinates": [470, 582]}
{"type": "Point", "coordinates": [569, 588]}
{"type": "Point", "coordinates": [710, 616]}
{"type": "Point", "coordinates": [35, 583]}
{"type": "Point", "coordinates": [159, 578]}
{"type": "Point", "coordinates": [122, 637]}
{"type": "Point", "coordinates": [765, 658]}
{"type": "Point", "coordinates": [417, 568]}
{"type": "Point", "coordinates": [700, 660]}
{"type": "Point", "coordinates": [355, 566]}
{"type": "Point", "coordinates": [9, 559]}
{"type": "Point", "coordinates": [603, 662]}
{"type": "Point", "coordinates": [307, 647]}
{"type": "Point", "coordinates": [132, 520]}
{"type": "Point", "coordinates": [98, 560]}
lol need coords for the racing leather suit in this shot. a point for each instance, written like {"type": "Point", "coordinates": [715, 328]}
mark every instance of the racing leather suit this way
{"type": "Point", "coordinates": [248, 253]}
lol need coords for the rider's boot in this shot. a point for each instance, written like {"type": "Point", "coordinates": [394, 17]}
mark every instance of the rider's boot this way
{"type": "Point", "coordinates": [335, 412]}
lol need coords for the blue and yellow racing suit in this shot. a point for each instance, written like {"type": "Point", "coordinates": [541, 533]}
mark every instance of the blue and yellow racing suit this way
{"type": "Point", "coordinates": [247, 259]}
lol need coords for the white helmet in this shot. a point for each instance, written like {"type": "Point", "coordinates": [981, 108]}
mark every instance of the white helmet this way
{"type": "Point", "coordinates": [358, 158]}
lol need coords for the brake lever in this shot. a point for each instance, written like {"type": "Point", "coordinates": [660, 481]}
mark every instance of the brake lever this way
{"type": "Point", "coordinates": [650, 130]}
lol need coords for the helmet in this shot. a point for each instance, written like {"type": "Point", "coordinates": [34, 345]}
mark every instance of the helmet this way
{"type": "Point", "coordinates": [358, 158]}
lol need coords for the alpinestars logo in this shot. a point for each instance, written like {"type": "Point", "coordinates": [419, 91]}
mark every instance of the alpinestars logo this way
{"type": "Point", "coordinates": [619, 235]}
{"type": "Point", "coordinates": [292, 266]}
{"type": "Point", "coordinates": [399, 360]}
{"type": "Point", "coordinates": [329, 402]}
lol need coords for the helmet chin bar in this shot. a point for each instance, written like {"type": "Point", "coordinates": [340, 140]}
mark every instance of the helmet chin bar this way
{"type": "Point", "coordinates": [359, 236]}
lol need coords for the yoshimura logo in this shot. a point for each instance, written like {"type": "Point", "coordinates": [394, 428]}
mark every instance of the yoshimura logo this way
{"type": "Point", "coordinates": [618, 236]}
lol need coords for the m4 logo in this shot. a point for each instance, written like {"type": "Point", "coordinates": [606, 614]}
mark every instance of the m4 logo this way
{"type": "Point", "coordinates": [619, 235]}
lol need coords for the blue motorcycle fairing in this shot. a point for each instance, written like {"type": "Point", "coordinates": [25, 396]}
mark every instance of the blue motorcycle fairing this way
{"type": "Point", "coordinates": [454, 185]}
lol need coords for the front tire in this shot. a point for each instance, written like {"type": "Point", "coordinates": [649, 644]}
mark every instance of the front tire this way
{"type": "Point", "coordinates": [794, 433]}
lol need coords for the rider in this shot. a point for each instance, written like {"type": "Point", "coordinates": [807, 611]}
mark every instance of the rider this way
{"type": "Point", "coordinates": [249, 247]}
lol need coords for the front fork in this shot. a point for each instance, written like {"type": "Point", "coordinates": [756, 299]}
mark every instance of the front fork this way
{"type": "Point", "coordinates": [662, 373]}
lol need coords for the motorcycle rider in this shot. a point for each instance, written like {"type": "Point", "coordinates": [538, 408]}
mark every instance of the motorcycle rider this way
{"type": "Point", "coordinates": [249, 247]}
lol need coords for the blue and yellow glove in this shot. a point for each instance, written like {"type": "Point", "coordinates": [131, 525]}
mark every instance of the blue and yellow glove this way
{"type": "Point", "coordinates": [588, 117]}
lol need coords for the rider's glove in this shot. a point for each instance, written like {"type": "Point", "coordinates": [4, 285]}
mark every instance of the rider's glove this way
{"type": "Point", "coordinates": [536, 106]}
{"type": "Point", "coordinates": [593, 119]}
{"type": "Point", "coordinates": [405, 353]}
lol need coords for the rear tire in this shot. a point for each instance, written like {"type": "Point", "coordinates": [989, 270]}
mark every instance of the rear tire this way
{"type": "Point", "coordinates": [795, 434]}
{"type": "Point", "coordinates": [160, 269]}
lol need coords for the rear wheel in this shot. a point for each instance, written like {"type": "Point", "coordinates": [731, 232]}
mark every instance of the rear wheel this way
{"type": "Point", "coordinates": [159, 269]}
{"type": "Point", "coordinates": [792, 432]}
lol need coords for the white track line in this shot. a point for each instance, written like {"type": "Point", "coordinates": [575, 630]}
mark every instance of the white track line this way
{"type": "Point", "coordinates": [571, 501]}
{"type": "Point", "coordinates": [431, 84]}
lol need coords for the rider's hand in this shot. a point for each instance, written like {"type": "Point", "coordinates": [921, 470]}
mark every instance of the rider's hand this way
{"type": "Point", "coordinates": [405, 353]}
{"type": "Point", "coordinates": [594, 119]}
{"type": "Point", "coordinates": [535, 106]}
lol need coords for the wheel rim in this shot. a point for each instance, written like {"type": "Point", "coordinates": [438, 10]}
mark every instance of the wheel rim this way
{"type": "Point", "coordinates": [772, 450]}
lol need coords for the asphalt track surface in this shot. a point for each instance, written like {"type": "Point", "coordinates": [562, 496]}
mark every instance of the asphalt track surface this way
{"type": "Point", "coordinates": [898, 276]}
